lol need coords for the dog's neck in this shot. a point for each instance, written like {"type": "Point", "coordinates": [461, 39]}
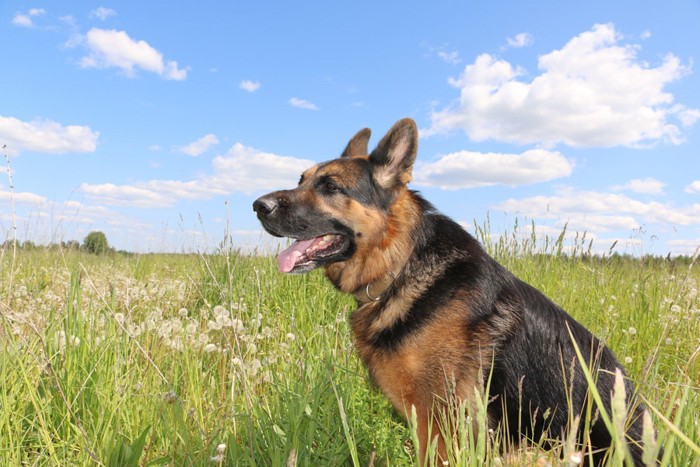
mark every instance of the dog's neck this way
{"type": "Point", "coordinates": [373, 291]}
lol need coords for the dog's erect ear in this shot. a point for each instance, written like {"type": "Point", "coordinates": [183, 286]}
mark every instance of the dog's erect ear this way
{"type": "Point", "coordinates": [394, 155]}
{"type": "Point", "coordinates": [358, 144]}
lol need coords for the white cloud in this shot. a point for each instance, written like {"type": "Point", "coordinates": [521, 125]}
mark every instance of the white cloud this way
{"type": "Point", "coordinates": [467, 169]}
{"type": "Point", "coordinates": [241, 169]}
{"type": "Point", "coordinates": [125, 195]}
{"type": "Point", "coordinates": [694, 187]}
{"type": "Point", "coordinates": [22, 197]}
{"type": "Point", "coordinates": [111, 48]}
{"type": "Point", "coordinates": [593, 92]}
{"type": "Point", "coordinates": [450, 57]}
{"type": "Point", "coordinates": [25, 19]}
{"type": "Point", "coordinates": [22, 20]}
{"type": "Point", "coordinates": [649, 186]}
{"type": "Point", "coordinates": [687, 117]}
{"type": "Point", "coordinates": [103, 13]}
{"type": "Point", "coordinates": [599, 206]}
{"type": "Point", "coordinates": [199, 147]}
{"type": "Point", "coordinates": [46, 136]}
{"type": "Point", "coordinates": [250, 86]}
{"type": "Point", "coordinates": [302, 104]}
{"type": "Point", "coordinates": [690, 247]}
{"type": "Point", "coordinates": [521, 40]}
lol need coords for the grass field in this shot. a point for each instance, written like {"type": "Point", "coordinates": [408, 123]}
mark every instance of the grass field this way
{"type": "Point", "coordinates": [221, 360]}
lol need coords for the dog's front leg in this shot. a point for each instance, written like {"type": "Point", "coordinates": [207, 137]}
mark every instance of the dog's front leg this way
{"type": "Point", "coordinates": [428, 431]}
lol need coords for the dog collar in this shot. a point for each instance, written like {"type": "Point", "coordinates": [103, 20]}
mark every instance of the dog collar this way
{"type": "Point", "coordinates": [372, 292]}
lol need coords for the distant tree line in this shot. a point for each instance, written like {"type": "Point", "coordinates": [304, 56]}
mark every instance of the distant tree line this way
{"type": "Point", "coordinates": [94, 243]}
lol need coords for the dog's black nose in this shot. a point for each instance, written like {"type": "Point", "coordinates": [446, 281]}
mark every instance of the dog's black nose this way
{"type": "Point", "coordinates": [264, 205]}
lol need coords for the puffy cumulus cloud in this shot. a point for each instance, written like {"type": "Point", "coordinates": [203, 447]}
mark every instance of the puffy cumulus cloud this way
{"type": "Point", "coordinates": [467, 169]}
{"type": "Point", "coordinates": [593, 92]}
{"type": "Point", "coordinates": [302, 104]}
{"type": "Point", "coordinates": [241, 169]}
{"type": "Point", "coordinates": [249, 85]}
{"type": "Point", "coordinates": [649, 186]}
{"type": "Point", "coordinates": [46, 136]}
{"type": "Point", "coordinates": [590, 210]}
{"type": "Point", "coordinates": [694, 187]}
{"type": "Point", "coordinates": [199, 147]}
{"type": "Point", "coordinates": [111, 48]}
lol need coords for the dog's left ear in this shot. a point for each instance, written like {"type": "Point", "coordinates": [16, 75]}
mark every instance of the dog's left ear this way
{"type": "Point", "coordinates": [358, 144]}
{"type": "Point", "coordinates": [395, 154]}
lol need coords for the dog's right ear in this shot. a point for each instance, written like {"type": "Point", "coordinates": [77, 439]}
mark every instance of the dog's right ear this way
{"type": "Point", "coordinates": [358, 144]}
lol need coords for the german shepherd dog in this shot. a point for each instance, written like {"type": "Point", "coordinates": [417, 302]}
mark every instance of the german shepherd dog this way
{"type": "Point", "coordinates": [436, 316]}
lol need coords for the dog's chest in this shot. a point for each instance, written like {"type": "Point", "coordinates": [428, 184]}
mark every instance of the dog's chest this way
{"type": "Point", "coordinates": [418, 367]}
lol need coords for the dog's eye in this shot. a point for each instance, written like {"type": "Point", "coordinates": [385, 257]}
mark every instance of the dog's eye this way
{"type": "Point", "coordinates": [331, 187]}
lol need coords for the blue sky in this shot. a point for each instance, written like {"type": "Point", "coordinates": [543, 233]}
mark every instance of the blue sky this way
{"type": "Point", "coordinates": [160, 122]}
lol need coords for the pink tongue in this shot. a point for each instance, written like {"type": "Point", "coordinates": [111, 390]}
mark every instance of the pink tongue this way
{"type": "Point", "coordinates": [287, 258]}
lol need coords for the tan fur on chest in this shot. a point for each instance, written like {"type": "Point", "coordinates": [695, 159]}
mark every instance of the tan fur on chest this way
{"type": "Point", "coordinates": [438, 357]}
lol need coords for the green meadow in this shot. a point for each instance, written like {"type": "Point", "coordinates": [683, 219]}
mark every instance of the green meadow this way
{"type": "Point", "coordinates": [218, 359]}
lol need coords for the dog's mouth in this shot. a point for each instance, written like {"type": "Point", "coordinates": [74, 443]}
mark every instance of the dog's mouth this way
{"type": "Point", "coordinates": [305, 255]}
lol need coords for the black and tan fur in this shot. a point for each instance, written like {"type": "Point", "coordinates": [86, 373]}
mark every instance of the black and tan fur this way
{"type": "Point", "coordinates": [434, 311]}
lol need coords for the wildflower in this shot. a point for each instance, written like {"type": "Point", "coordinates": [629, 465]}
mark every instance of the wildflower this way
{"type": "Point", "coordinates": [202, 339]}
{"type": "Point", "coordinates": [220, 311]}
{"type": "Point", "coordinates": [134, 330]}
{"type": "Point", "coordinates": [575, 458]}
{"type": "Point", "coordinates": [176, 325]}
{"type": "Point", "coordinates": [255, 366]}
{"type": "Point", "coordinates": [220, 450]}
{"type": "Point", "coordinates": [191, 327]}
{"type": "Point", "coordinates": [182, 312]}
{"type": "Point", "coordinates": [209, 348]}
{"type": "Point", "coordinates": [669, 341]}
{"type": "Point", "coordinates": [213, 325]}
{"type": "Point", "coordinates": [119, 318]}
{"type": "Point", "coordinates": [237, 325]}
{"type": "Point", "coordinates": [628, 360]}
{"type": "Point", "coordinates": [675, 308]}
{"type": "Point", "coordinates": [632, 331]}
{"type": "Point", "coordinates": [291, 337]}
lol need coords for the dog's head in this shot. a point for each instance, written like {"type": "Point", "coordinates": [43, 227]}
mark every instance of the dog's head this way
{"type": "Point", "coordinates": [342, 207]}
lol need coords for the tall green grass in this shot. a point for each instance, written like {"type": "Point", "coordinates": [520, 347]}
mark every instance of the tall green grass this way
{"type": "Point", "coordinates": [221, 360]}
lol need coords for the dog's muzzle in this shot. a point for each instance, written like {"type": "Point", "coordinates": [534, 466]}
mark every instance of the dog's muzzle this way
{"type": "Point", "coordinates": [266, 205]}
